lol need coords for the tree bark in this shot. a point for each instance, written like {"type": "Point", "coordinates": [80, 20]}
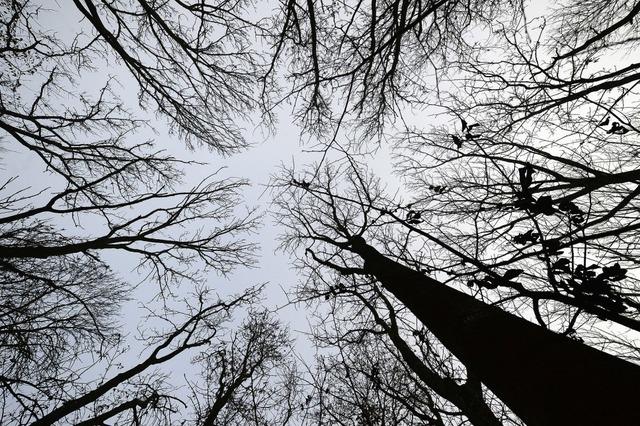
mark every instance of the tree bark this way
{"type": "Point", "coordinates": [544, 378]}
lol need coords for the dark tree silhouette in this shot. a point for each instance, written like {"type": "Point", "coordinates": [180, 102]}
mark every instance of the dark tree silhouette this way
{"type": "Point", "coordinates": [251, 379]}
{"type": "Point", "coordinates": [549, 188]}
{"type": "Point", "coordinates": [523, 196]}
{"type": "Point", "coordinates": [141, 394]}
{"type": "Point", "coordinates": [519, 207]}
{"type": "Point", "coordinates": [365, 64]}
{"type": "Point", "coordinates": [62, 339]}
{"type": "Point", "coordinates": [380, 366]}
{"type": "Point", "coordinates": [199, 71]}
{"type": "Point", "coordinates": [503, 351]}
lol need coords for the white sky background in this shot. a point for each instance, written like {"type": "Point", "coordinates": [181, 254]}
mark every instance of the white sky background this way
{"type": "Point", "coordinates": [256, 164]}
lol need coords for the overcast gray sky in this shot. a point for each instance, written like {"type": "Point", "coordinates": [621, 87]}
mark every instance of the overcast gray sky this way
{"type": "Point", "coordinates": [256, 164]}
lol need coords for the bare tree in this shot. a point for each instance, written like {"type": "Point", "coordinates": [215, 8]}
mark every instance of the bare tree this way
{"type": "Point", "coordinates": [338, 218]}
{"type": "Point", "coordinates": [362, 386]}
{"type": "Point", "coordinates": [365, 64]}
{"type": "Point", "coordinates": [521, 204]}
{"type": "Point", "coordinates": [194, 62]}
{"type": "Point", "coordinates": [523, 196]}
{"type": "Point", "coordinates": [103, 191]}
{"type": "Point", "coordinates": [145, 394]}
{"type": "Point", "coordinates": [378, 365]}
{"type": "Point", "coordinates": [252, 379]}
{"type": "Point", "coordinates": [535, 175]}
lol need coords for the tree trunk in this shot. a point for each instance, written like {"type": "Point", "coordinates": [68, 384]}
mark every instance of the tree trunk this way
{"type": "Point", "coordinates": [543, 377]}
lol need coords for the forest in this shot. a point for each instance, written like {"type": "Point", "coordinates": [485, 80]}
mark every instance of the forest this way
{"type": "Point", "coordinates": [319, 212]}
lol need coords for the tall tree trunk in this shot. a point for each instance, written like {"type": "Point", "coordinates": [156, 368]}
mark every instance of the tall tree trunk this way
{"type": "Point", "coordinates": [545, 378]}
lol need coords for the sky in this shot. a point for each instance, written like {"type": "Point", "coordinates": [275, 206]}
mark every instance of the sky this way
{"type": "Point", "coordinates": [268, 152]}
{"type": "Point", "coordinates": [257, 164]}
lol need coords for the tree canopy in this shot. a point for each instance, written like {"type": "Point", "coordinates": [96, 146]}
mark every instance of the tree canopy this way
{"type": "Point", "coordinates": [510, 129]}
